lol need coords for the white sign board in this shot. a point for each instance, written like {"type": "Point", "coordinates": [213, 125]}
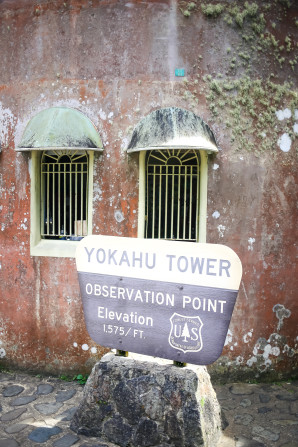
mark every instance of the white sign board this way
{"type": "Point", "coordinates": [160, 298]}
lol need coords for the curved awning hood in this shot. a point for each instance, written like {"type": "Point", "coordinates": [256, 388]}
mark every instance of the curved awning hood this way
{"type": "Point", "coordinates": [172, 128]}
{"type": "Point", "coordinates": [59, 128]}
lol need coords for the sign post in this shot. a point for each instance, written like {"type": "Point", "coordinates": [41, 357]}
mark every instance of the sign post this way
{"type": "Point", "coordinates": [161, 298]}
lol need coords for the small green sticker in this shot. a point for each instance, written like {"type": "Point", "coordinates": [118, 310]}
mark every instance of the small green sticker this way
{"type": "Point", "coordinates": [179, 72]}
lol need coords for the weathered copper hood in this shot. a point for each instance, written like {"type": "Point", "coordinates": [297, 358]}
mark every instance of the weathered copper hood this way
{"type": "Point", "coordinates": [59, 128]}
{"type": "Point", "coordinates": [172, 128]}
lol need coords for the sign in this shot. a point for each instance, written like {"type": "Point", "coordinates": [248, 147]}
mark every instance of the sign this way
{"type": "Point", "coordinates": [160, 298]}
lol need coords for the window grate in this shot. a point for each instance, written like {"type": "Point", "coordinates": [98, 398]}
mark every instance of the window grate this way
{"type": "Point", "coordinates": [64, 192]}
{"type": "Point", "coordinates": [172, 196]}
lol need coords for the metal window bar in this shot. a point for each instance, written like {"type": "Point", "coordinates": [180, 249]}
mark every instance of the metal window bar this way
{"type": "Point", "coordinates": [172, 206]}
{"type": "Point", "coordinates": [48, 199]}
{"type": "Point", "coordinates": [160, 197]}
{"type": "Point", "coordinates": [42, 205]}
{"type": "Point", "coordinates": [185, 204]}
{"type": "Point", "coordinates": [59, 202]}
{"type": "Point", "coordinates": [64, 202]}
{"type": "Point", "coordinates": [82, 205]}
{"type": "Point", "coordinates": [76, 192]}
{"type": "Point", "coordinates": [53, 195]}
{"type": "Point", "coordinates": [197, 209]}
{"type": "Point", "coordinates": [190, 200]}
{"type": "Point", "coordinates": [172, 198]}
{"type": "Point", "coordinates": [148, 204]}
{"type": "Point", "coordinates": [64, 194]}
{"type": "Point", "coordinates": [166, 201]}
{"type": "Point", "coordinates": [153, 203]}
{"type": "Point", "coordinates": [71, 223]}
{"type": "Point", "coordinates": [178, 204]}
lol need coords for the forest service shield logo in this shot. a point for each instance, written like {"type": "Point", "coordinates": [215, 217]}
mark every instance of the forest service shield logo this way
{"type": "Point", "coordinates": [185, 334]}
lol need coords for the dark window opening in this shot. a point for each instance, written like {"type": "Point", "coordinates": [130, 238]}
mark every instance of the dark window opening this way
{"type": "Point", "coordinates": [64, 194]}
{"type": "Point", "coordinates": [172, 194]}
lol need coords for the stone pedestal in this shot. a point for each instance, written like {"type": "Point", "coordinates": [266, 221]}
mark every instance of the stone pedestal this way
{"type": "Point", "coordinates": [140, 403]}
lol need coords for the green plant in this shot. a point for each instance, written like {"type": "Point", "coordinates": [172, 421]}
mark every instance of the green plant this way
{"type": "Point", "coordinates": [212, 10]}
{"type": "Point", "coordinates": [191, 6]}
{"type": "Point", "coordinates": [65, 378]}
{"type": "Point", "coordinates": [102, 402]}
{"type": "Point", "coordinates": [4, 369]}
{"type": "Point", "coordinates": [80, 378]}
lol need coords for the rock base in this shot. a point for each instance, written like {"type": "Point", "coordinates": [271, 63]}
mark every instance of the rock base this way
{"type": "Point", "coordinates": [139, 404]}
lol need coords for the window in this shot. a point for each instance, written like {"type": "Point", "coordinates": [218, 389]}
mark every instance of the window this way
{"type": "Point", "coordinates": [62, 142]}
{"type": "Point", "coordinates": [173, 146]}
{"type": "Point", "coordinates": [172, 194]}
{"type": "Point", "coordinates": [64, 194]}
{"type": "Point", "coordinates": [61, 201]}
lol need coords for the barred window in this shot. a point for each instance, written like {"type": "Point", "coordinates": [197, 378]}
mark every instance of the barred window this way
{"type": "Point", "coordinates": [64, 194]}
{"type": "Point", "coordinates": [172, 194]}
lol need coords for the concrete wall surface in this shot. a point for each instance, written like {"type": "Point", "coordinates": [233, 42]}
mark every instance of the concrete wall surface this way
{"type": "Point", "coordinates": [115, 61]}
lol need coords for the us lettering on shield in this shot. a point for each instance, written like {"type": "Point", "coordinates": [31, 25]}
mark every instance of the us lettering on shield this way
{"type": "Point", "coordinates": [185, 334]}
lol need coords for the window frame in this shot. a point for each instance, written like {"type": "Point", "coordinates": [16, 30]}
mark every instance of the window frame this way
{"type": "Point", "coordinates": [203, 172]}
{"type": "Point", "coordinates": [53, 247]}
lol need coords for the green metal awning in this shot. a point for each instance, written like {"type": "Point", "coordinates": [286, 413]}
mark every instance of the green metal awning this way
{"type": "Point", "coordinates": [60, 128]}
{"type": "Point", "coordinates": [172, 128]}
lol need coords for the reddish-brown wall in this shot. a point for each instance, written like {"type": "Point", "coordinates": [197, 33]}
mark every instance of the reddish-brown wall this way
{"type": "Point", "coordinates": [115, 61]}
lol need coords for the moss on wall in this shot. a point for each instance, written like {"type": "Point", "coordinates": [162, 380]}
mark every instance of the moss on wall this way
{"type": "Point", "coordinates": [243, 97]}
{"type": "Point", "coordinates": [247, 108]}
